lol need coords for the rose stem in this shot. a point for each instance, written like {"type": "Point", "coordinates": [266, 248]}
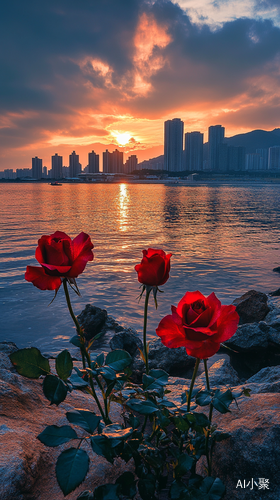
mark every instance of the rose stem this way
{"type": "Point", "coordinates": [192, 382]}
{"type": "Point", "coordinates": [83, 350]}
{"type": "Point", "coordinates": [210, 420]}
{"type": "Point", "coordinates": [148, 290]}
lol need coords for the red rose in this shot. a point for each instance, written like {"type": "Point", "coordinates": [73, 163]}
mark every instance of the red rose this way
{"type": "Point", "coordinates": [60, 257]}
{"type": "Point", "coordinates": [154, 268]}
{"type": "Point", "coordinates": [199, 324]}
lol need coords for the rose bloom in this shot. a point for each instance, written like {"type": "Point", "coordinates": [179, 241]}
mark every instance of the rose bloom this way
{"type": "Point", "coordinates": [154, 268]}
{"type": "Point", "coordinates": [60, 257]}
{"type": "Point", "coordinates": [199, 324]}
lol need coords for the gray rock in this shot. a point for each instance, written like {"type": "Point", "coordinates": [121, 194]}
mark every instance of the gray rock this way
{"type": "Point", "coordinates": [252, 450]}
{"type": "Point", "coordinates": [127, 340]}
{"type": "Point", "coordinates": [251, 307]}
{"type": "Point", "coordinates": [174, 361]}
{"type": "Point", "coordinates": [266, 380]}
{"type": "Point", "coordinates": [27, 467]}
{"type": "Point", "coordinates": [274, 314]}
{"type": "Point", "coordinates": [220, 373]}
{"type": "Point", "coordinates": [252, 336]}
{"type": "Point", "coordinates": [92, 319]}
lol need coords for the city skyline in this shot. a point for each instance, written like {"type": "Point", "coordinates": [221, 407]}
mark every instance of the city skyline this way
{"type": "Point", "coordinates": [107, 75]}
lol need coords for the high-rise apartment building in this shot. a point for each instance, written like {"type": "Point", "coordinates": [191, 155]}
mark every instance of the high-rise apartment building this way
{"type": "Point", "coordinates": [216, 134]}
{"type": "Point", "coordinates": [274, 157]}
{"type": "Point", "coordinates": [93, 163]}
{"type": "Point", "coordinates": [173, 145]}
{"type": "Point", "coordinates": [37, 168]}
{"type": "Point", "coordinates": [74, 165]}
{"type": "Point", "coordinates": [263, 152]}
{"type": "Point", "coordinates": [131, 164]}
{"type": "Point", "coordinates": [194, 151]}
{"type": "Point", "coordinates": [56, 167]}
{"type": "Point", "coordinates": [113, 162]}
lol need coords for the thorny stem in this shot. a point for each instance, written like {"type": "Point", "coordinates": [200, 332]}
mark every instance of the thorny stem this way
{"type": "Point", "coordinates": [84, 352]}
{"type": "Point", "coordinates": [210, 420]}
{"type": "Point", "coordinates": [148, 291]}
{"type": "Point", "coordinates": [192, 382]}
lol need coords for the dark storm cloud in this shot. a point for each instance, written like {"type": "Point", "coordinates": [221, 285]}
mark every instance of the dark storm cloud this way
{"type": "Point", "coordinates": [48, 47]}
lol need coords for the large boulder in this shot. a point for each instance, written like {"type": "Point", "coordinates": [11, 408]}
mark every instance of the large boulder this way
{"type": "Point", "coordinates": [252, 451]}
{"type": "Point", "coordinates": [27, 467]}
{"type": "Point", "coordinates": [128, 340]}
{"type": "Point", "coordinates": [220, 373]}
{"type": "Point", "coordinates": [92, 319]}
{"type": "Point", "coordinates": [251, 307]}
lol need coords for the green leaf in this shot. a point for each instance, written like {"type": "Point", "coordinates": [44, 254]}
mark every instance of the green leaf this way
{"type": "Point", "coordinates": [181, 423]}
{"type": "Point", "coordinates": [146, 489]}
{"type": "Point", "coordinates": [222, 400]}
{"type": "Point", "coordinates": [133, 421]}
{"type": "Point", "coordinates": [214, 487]}
{"type": "Point", "coordinates": [107, 492]}
{"type": "Point", "coordinates": [99, 360]}
{"type": "Point", "coordinates": [54, 435]}
{"type": "Point", "coordinates": [54, 389]}
{"type": "Point", "coordinates": [127, 484]}
{"type": "Point", "coordinates": [107, 373]}
{"type": "Point", "coordinates": [203, 398]}
{"type": "Point", "coordinates": [200, 419]}
{"type": "Point", "coordinates": [76, 341]}
{"type": "Point", "coordinates": [118, 360]}
{"type": "Point", "coordinates": [115, 431]}
{"type": "Point", "coordinates": [64, 364]}
{"type": "Point", "coordinates": [160, 375]}
{"type": "Point", "coordinates": [77, 382]}
{"type": "Point", "coordinates": [178, 491]}
{"type": "Point", "coordinates": [30, 363]}
{"type": "Point", "coordinates": [220, 436]}
{"type": "Point", "coordinates": [141, 406]}
{"type": "Point", "coordinates": [185, 463]}
{"type": "Point", "coordinates": [71, 469]}
{"type": "Point", "coordinates": [83, 418]}
{"type": "Point", "coordinates": [101, 446]}
{"type": "Point", "coordinates": [85, 495]}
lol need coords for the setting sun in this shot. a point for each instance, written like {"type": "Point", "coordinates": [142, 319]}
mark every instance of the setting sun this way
{"type": "Point", "coordinates": [122, 138]}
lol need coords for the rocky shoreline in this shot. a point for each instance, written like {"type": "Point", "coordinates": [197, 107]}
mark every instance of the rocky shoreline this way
{"type": "Point", "coordinates": [251, 452]}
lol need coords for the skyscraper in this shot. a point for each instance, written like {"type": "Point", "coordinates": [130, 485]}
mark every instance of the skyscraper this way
{"type": "Point", "coordinates": [131, 164]}
{"type": "Point", "coordinates": [74, 165]}
{"type": "Point", "coordinates": [37, 168]}
{"type": "Point", "coordinates": [274, 157]}
{"type": "Point", "coordinates": [173, 145]}
{"type": "Point", "coordinates": [113, 162]}
{"type": "Point", "coordinates": [93, 163]}
{"type": "Point", "coordinates": [216, 136]}
{"type": "Point", "coordinates": [194, 151]}
{"type": "Point", "coordinates": [56, 167]}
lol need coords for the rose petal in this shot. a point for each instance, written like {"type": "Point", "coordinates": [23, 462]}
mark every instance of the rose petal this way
{"type": "Point", "coordinates": [205, 350]}
{"type": "Point", "coordinates": [188, 299]}
{"type": "Point", "coordinates": [41, 280]}
{"type": "Point", "coordinates": [227, 322]}
{"type": "Point", "coordinates": [56, 270]}
{"type": "Point", "coordinates": [171, 333]}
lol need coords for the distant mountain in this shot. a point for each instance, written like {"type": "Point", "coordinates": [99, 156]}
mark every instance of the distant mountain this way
{"type": "Point", "coordinates": [257, 139]}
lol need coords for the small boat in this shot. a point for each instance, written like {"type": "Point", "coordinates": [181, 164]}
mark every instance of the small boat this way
{"type": "Point", "coordinates": [55, 183]}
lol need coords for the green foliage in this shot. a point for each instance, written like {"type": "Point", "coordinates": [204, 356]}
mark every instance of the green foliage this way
{"type": "Point", "coordinates": [76, 341]}
{"type": "Point", "coordinates": [185, 463]}
{"type": "Point", "coordinates": [178, 491]}
{"type": "Point", "coordinates": [222, 400]}
{"type": "Point", "coordinates": [55, 436]}
{"type": "Point", "coordinates": [77, 381]}
{"type": "Point", "coordinates": [54, 389]}
{"type": "Point", "coordinates": [203, 398]}
{"type": "Point", "coordinates": [127, 484]}
{"type": "Point", "coordinates": [64, 364]}
{"type": "Point", "coordinates": [71, 469]}
{"type": "Point", "coordinates": [107, 492]}
{"type": "Point", "coordinates": [144, 407]}
{"type": "Point", "coordinates": [86, 495]}
{"type": "Point", "coordinates": [85, 419]}
{"type": "Point", "coordinates": [118, 360]}
{"type": "Point", "coordinates": [30, 363]}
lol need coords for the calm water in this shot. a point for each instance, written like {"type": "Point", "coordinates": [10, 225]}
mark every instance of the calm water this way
{"type": "Point", "coordinates": [223, 239]}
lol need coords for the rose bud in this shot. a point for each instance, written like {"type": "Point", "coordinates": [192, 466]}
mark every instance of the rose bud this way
{"type": "Point", "coordinates": [154, 268]}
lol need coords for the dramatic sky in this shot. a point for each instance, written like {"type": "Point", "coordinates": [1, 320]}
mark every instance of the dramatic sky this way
{"type": "Point", "coordinates": [88, 74]}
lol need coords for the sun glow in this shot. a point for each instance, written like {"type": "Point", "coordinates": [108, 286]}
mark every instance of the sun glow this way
{"type": "Point", "coordinates": [122, 137]}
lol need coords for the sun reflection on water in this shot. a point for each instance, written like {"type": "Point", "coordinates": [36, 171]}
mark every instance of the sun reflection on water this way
{"type": "Point", "coordinates": [123, 207]}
